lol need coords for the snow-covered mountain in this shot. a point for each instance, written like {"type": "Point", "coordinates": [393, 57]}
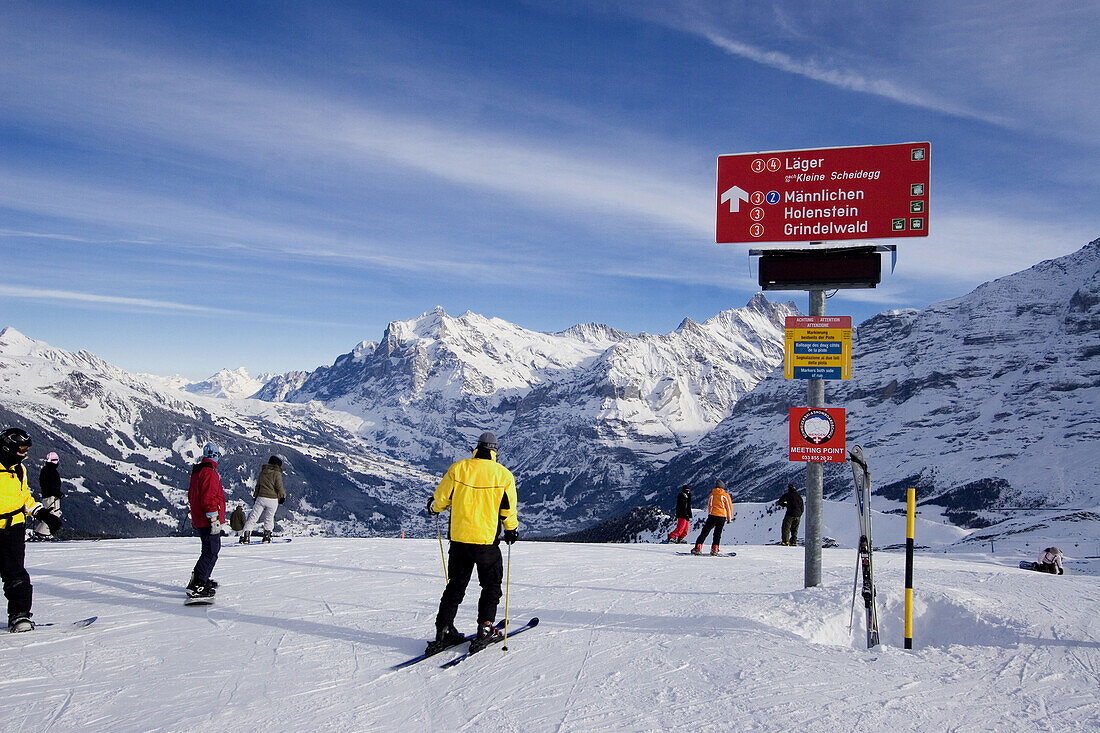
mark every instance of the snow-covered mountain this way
{"type": "Point", "coordinates": [229, 384]}
{"type": "Point", "coordinates": [985, 403]}
{"type": "Point", "coordinates": [988, 401]}
{"type": "Point", "coordinates": [126, 444]}
{"type": "Point", "coordinates": [581, 414]}
{"type": "Point", "coordinates": [368, 437]}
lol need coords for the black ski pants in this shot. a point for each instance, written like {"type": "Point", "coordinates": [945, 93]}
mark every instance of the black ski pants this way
{"type": "Point", "coordinates": [490, 571]}
{"type": "Point", "coordinates": [211, 546]}
{"type": "Point", "coordinates": [715, 523]}
{"type": "Point", "coordinates": [17, 582]}
{"type": "Point", "coordinates": [790, 528]}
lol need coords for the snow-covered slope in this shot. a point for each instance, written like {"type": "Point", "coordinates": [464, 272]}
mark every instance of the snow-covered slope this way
{"type": "Point", "coordinates": [982, 402]}
{"type": "Point", "coordinates": [631, 638]}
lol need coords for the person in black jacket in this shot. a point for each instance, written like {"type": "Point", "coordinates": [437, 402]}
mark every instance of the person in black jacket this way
{"type": "Point", "coordinates": [49, 487]}
{"type": "Point", "coordinates": [793, 503]}
{"type": "Point", "coordinates": [683, 516]}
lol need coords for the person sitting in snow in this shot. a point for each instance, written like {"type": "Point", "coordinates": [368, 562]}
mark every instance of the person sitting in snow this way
{"type": "Point", "coordinates": [1050, 561]}
{"type": "Point", "coordinates": [683, 515]}
{"type": "Point", "coordinates": [481, 494]}
{"type": "Point", "coordinates": [720, 510]}
{"type": "Point", "coordinates": [15, 501]}
{"type": "Point", "coordinates": [269, 494]}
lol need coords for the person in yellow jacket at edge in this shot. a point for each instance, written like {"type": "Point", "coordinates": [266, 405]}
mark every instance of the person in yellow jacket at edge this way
{"type": "Point", "coordinates": [719, 511]}
{"type": "Point", "coordinates": [481, 494]}
{"type": "Point", "coordinates": [15, 501]}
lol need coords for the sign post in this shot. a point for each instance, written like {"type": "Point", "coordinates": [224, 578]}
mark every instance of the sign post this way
{"type": "Point", "coordinates": [814, 196]}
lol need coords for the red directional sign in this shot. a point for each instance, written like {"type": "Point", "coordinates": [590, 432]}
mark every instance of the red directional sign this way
{"type": "Point", "coordinates": [867, 192]}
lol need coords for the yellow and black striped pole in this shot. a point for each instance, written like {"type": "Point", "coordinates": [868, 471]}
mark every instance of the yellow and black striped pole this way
{"type": "Point", "coordinates": [909, 526]}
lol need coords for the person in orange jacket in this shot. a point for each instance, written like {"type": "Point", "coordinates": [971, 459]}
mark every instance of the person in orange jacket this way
{"type": "Point", "coordinates": [720, 510]}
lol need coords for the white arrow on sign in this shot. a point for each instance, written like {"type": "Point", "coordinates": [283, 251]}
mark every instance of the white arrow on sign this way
{"type": "Point", "coordinates": [735, 196]}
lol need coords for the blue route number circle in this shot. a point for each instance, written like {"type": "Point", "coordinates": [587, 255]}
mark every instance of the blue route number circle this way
{"type": "Point", "coordinates": [772, 197]}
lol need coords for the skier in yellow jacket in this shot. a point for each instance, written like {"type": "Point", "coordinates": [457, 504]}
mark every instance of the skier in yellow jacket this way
{"type": "Point", "coordinates": [15, 501]}
{"type": "Point", "coordinates": [719, 510]}
{"type": "Point", "coordinates": [481, 494]}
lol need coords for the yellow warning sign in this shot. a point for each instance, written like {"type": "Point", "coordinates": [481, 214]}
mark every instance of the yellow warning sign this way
{"type": "Point", "coordinates": [818, 347]}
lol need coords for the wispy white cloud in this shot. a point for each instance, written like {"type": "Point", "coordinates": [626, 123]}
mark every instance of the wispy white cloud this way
{"type": "Point", "coordinates": [850, 79]}
{"type": "Point", "coordinates": [1011, 63]}
{"type": "Point", "coordinates": [145, 305]}
{"type": "Point", "coordinates": [138, 304]}
{"type": "Point", "coordinates": [197, 111]}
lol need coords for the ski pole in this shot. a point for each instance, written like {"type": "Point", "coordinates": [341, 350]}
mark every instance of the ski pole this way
{"type": "Point", "coordinates": [442, 557]}
{"type": "Point", "coordinates": [855, 582]}
{"type": "Point", "coordinates": [507, 588]}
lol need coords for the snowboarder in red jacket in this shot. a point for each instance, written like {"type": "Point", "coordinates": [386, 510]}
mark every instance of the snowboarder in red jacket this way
{"type": "Point", "coordinates": [207, 499]}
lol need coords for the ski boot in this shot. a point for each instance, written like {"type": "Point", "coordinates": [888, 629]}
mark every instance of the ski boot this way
{"type": "Point", "coordinates": [267, 536]}
{"type": "Point", "coordinates": [445, 636]}
{"type": "Point", "coordinates": [244, 538]}
{"type": "Point", "coordinates": [487, 634]}
{"type": "Point", "coordinates": [714, 551]}
{"type": "Point", "coordinates": [697, 550]}
{"type": "Point", "coordinates": [20, 622]}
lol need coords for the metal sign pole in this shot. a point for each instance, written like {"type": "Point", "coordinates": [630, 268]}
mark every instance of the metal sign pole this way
{"type": "Point", "coordinates": [815, 393]}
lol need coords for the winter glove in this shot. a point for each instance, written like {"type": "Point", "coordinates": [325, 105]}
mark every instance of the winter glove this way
{"type": "Point", "coordinates": [216, 526]}
{"type": "Point", "coordinates": [1061, 571]}
{"type": "Point", "coordinates": [510, 536]}
{"type": "Point", "coordinates": [51, 520]}
{"type": "Point", "coordinates": [282, 499]}
{"type": "Point", "coordinates": [431, 512]}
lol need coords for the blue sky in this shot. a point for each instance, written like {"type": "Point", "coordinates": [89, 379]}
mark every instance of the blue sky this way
{"type": "Point", "coordinates": [191, 186]}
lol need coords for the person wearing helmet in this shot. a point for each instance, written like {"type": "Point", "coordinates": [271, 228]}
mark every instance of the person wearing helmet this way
{"type": "Point", "coordinates": [49, 485]}
{"type": "Point", "coordinates": [481, 495]}
{"type": "Point", "coordinates": [207, 501]}
{"type": "Point", "coordinates": [15, 501]}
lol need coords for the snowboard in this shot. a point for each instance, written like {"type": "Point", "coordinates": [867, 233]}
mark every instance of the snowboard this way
{"type": "Point", "coordinates": [189, 601]}
{"type": "Point", "coordinates": [63, 626]}
{"type": "Point", "coordinates": [1026, 565]}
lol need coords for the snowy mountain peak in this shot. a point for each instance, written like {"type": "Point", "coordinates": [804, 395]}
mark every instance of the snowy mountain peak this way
{"type": "Point", "coordinates": [229, 384]}
{"type": "Point", "coordinates": [14, 343]}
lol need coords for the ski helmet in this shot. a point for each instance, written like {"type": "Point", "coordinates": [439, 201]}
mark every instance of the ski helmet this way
{"type": "Point", "coordinates": [52, 457]}
{"type": "Point", "coordinates": [14, 443]}
{"type": "Point", "coordinates": [212, 451]}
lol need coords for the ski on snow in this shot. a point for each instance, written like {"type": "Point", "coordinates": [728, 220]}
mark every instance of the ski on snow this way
{"type": "Point", "coordinates": [273, 541]}
{"type": "Point", "coordinates": [707, 554]}
{"type": "Point", "coordinates": [862, 475]}
{"type": "Point", "coordinates": [422, 657]}
{"type": "Point", "coordinates": [526, 627]}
